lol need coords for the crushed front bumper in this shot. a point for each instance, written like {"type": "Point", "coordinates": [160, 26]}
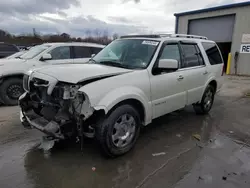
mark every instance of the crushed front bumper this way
{"type": "Point", "coordinates": [30, 119]}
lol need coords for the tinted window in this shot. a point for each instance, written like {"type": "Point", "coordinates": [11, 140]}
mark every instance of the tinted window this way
{"type": "Point", "coordinates": [7, 47]}
{"type": "Point", "coordinates": [95, 50]}
{"type": "Point", "coordinates": [191, 55]}
{"type": "Point", "coordinates": [213, 53]}
{"type": "Point", "coordinates": [171, 51]}
{"type": "Point", "coordinates": [82, 52]}
{"type": "Point", "coordinates": [62, 52]}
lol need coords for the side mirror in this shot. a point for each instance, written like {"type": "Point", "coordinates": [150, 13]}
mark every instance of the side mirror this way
{"type": "Point", "coordinates": [46, 57]}
{"type": "Point", "coordinates": [168, 64]}
{"type": "Point", "coordinates": [92, 55]}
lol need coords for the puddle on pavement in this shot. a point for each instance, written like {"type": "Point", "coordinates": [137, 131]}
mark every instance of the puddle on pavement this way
{"type": "Point", "coordinates": [71, 167]}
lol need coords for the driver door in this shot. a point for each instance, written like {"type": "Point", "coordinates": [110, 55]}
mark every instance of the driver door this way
{"type": "Point", "coordinates": [167, 88]}
{"type": "Point", "coordinates": [61, 55]}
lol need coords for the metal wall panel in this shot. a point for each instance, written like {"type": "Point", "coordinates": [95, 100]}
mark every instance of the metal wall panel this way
{"type": "Point", "coordinates": [219, 29]}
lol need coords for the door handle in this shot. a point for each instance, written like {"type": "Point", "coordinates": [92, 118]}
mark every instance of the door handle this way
{"type": "Point", "coordinates": [180, 78]}
{"type": "Point", "coordinates": [204, 73]}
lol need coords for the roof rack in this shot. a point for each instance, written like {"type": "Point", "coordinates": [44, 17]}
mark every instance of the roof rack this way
{"type": "Point", "coordinates": [190, 36]}
{"type": "Point", "coordinates": [142, 36]}
{"type": "Point", "coordinates": [165, 35]}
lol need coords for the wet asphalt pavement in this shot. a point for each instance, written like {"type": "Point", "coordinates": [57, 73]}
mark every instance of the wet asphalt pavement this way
{"type": "Point", "coordinates": [166, 154]}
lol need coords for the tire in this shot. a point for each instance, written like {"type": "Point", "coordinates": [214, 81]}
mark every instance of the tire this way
{"type": "Point", "coordinates": [11, 90]}
{"type": "Point", "coordinates": [206, 102]}
{"type": "Point", "coordinates": [109, 132]}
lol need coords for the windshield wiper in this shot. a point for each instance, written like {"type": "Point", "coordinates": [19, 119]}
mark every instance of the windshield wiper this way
{"type": "Point", "coordinates": [114, 64]}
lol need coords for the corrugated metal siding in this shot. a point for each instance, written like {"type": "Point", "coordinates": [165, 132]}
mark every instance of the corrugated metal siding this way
{"type": "Point", "coordinates": [219, 29]}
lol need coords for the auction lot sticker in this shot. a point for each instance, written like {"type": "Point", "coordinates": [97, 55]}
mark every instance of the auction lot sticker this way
{"type": "Point", "coordinates": [245, 48]}
{"type": "Point", "coordinates": [148, 42]}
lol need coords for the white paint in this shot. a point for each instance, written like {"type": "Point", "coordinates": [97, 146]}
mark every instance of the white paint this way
{"type": "Point", "coordinates": [245, 48]}
{"type": "Point", "coordinates": [245, 38]}
{"type": "Point", "coordinates": [159, 94]}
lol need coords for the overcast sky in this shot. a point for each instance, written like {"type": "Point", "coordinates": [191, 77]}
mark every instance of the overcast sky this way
{"type": "Point", "coordinates": [81, 17]}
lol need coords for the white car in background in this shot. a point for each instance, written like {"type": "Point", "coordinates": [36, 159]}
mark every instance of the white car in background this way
{"type": "Point", "coordinates": [13, 69]}
{"type": "Point", "coordinates": [16, 55]}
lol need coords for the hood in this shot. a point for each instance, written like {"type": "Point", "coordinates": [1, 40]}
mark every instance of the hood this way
{"type": "Point", "coordinates": [74, 73]}
{"type": "Point", "coordinates": [11, 62]}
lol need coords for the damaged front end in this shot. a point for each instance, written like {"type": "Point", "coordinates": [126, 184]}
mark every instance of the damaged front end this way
{"type": "Point", "coordinates": [55, 108]}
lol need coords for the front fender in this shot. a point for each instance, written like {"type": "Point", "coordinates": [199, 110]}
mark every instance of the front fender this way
{"type": "Point", "coordinates": [110, 99]}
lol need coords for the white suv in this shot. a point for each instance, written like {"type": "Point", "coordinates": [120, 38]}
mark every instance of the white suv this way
{"type": "Point", "coordinates": [132, 81]}
{"type": "Point", "coordinates": [13, 69]}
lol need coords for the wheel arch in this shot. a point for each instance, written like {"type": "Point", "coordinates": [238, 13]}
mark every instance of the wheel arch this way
{"type": "Point", "coordinates": [133, 102]}
{"type": "Point", "coordinates": [6, 77]}
{"type": "Point", "coordinates": [128, 95]}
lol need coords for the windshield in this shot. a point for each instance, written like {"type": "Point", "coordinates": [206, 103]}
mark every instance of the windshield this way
{"type": "Point", "coordinates": [127, 53]}
{"type": "Point", "coordinates": [34, 51]}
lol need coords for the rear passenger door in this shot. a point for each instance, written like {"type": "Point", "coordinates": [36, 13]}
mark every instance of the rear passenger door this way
{"type": "Point", "coordinates": [82, 54]}
{"type": "Point", "coordinates": [194, 71]}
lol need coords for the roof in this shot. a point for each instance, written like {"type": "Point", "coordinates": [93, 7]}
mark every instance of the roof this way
{"type": "Point", "coordinates": [74, 43]}
{"type": "Point", "coordinates": [235, 5]}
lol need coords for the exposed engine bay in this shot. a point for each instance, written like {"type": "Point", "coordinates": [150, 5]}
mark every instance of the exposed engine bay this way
{"type": "Point", "coordinates": [61, 113]}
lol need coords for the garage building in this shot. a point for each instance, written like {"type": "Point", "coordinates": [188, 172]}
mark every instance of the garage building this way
{"type": "Point", "coordinates": [229, 26]}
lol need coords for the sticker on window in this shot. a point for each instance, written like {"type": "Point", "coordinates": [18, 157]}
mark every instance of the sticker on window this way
{"type": "Point", "coordinates": [153, 43]}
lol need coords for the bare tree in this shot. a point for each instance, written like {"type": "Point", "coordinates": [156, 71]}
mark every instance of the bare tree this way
{"type": "Point", "coordinates": [115, 36]}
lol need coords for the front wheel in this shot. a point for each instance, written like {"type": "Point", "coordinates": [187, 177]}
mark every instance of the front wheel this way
{"type": "Point", "coordinates": [206, 102]}
{"type": "Point", "coordinates": [10, 91]}
{"type": "Point", "coordinates": [118, 133]}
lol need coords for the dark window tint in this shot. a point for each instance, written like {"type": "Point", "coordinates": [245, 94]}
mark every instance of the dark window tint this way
{"type": "Point", "coordinates": [62, 52]}
{"type": "Point", "coordinates": [82, 52]}
{"type": "Point", "coordinates": [95, 50]}
{"type": "Point", "coordinates": [171, 51]}
{"type": "Point", "coordinates": [8, 47]}
{"type": "Point", "coordinates": [213, 53]}
{"type": "Point", "coordinates": [200, 58]}
{"type": "Point", "coordinates": [192, 57]}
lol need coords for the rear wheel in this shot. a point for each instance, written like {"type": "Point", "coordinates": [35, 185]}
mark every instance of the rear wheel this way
{"type": "Point", "coordinates": [118, 133]}
{"type": "Point", "coordinates": [206, 102]}
{"type": "Point", "coordinates": [11, 90]}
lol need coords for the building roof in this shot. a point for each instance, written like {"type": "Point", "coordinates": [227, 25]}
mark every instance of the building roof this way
{"type": "Point", "coordinates": [235, 5]}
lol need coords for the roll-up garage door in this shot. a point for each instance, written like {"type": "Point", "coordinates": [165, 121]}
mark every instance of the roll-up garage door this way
{"type": "Point", "coordinates": [219, 29]}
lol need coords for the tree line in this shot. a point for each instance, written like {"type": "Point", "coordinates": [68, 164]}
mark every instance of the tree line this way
{"type": "Point", "coordinates": [34, 39]}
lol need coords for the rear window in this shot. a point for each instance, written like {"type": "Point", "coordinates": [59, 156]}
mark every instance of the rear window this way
{"type": "Point", "coordinates": [213, 53]}
{"type": "Point", "coordinates": [82, 52]}
{"type": "Point", "coordinates": [95, 50]}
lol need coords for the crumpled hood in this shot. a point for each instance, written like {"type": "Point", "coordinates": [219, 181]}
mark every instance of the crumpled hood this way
{"type": "Point", "coordinates": [74, 73]}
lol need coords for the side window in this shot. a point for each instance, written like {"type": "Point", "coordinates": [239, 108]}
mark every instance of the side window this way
{"type": "Point", "coordinates": [82, 52]}
{"type": "Point", "coordinates": [213, 53]}
{"type": "Point", "coordinates": [62, 52]}
{"type": "Point", "coordinates": [95, 50]}
{"type": "Point", "coordinates": [171, 51]}
{"type": "Point", "coordinates": [191, 56]}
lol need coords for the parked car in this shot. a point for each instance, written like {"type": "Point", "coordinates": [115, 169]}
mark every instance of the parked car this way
{"type": "Point", "coordinates": [132, 81]}
{"type": "Point", "coordinates": [12, 70]}
{"type": "Point", "coordinates": [7, 49]}
{"type": "Point", "coordinates": [16, 55]}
